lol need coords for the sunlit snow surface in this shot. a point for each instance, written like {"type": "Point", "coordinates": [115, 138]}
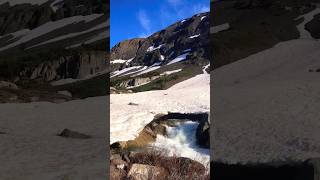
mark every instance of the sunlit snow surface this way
{"type": "Point", "coordinates": [127, 121]}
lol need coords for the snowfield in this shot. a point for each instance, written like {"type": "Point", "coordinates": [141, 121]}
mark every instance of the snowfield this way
{"type": "Point", "coordinates": [31, 150]}
{"type": "Point", "coordinates": [190, 96]}
{"type": "Point", "coordinates": [267, 105]}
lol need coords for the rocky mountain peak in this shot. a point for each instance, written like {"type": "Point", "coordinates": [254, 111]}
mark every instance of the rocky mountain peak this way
{"type": "Point", "coordinates": [184, 38]}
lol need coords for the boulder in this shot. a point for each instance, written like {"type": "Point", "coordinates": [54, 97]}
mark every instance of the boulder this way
{"type": "Point", "coordinates": [9, 85]}
{"type": "Point", "coordinates": [203, 134]}
{"type": "Point", "coordinates": [146, 172]}
{"type": "Point", "coordinates": [116, 173]}
{"type": "Point", "coordinates": [67, 133]}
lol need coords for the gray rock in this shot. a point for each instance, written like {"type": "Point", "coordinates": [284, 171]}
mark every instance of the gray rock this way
{"type": "Point", "coordinates": [146, 172]}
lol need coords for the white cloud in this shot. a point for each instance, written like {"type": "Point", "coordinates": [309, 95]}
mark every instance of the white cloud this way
{"type": "Point", "coordinates": [200, 8]}
{"type": "Point", "coordinates": [144, 20]}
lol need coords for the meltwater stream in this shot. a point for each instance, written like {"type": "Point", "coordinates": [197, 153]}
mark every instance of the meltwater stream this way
{"type": "Point", "coordinates": [181, 142]}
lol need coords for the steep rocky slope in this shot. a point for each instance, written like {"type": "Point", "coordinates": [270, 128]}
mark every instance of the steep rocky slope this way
{"type": "Point", "coordinates": [178, 52]}
{"type": "Point", "coordinates": [265, 84]}
{"type": "Point", "coordinates": [50, 45]}
{"type": "Point", "coordinates": [255, 25]}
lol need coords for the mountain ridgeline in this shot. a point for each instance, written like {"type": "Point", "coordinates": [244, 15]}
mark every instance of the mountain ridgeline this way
{"type": "Point", "coordinates": [184, 46]}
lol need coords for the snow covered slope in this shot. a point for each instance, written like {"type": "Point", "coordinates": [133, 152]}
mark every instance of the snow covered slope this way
{"type": "Point", "coordinates": [56, 23]}
{"type": "Point", "coordinates": [266, 106]}
{"type": "Point", "coordinates": [32, 150]}
{"type": "Point", "coordinates": [190, 96]}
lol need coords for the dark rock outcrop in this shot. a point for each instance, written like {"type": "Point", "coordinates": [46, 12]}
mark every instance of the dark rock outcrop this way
{"type": "Point", "coordinates": [203, 134]}
{"type": "Point", "coordinates": [75, 66]}
{"type": "Point", "coordinates": [67, 133]}
{"type": "Point", "coordinates": [314, 27]}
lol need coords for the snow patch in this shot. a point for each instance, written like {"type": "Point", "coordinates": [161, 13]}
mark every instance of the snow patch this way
{"type": "Point", "coordinates": [194, 36]}
{"type": "Point", "coordinates": [170, 72]}
{"type": "Point", "coordinates": [70, 35]}
{"type": "Point", "coordinates": [121, 61]}
{"type": "Point", "coordinates": [162, 57]}
{"type": "Point", "coordinates": [203, 17]}
{"type": "Point", "coordinates": [151, 68]}
{"type": "Point", "coordinates": [123, 71]}
{"type": "Point", "coordinates": [179, 58]}
{"type": "Point", "coordinates": [152, 48]}
{"type": "Point", "coordinates": [48, 27]}
{"type": "Point", "coordinates": [204, 69]}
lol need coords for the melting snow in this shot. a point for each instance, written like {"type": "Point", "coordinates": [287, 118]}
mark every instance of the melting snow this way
{"type": "Point", "coordinates": [127, 121]}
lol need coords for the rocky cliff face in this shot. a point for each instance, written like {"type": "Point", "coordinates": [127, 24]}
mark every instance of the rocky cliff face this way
{"type": "Point", "coordinates": [54, 40]}
{"type": "Point", "coordinates": [29, 16]}
{"type": "Point", "coordinates": [76, 66]}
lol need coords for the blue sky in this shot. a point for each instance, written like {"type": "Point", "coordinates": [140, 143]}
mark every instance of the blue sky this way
{"type": "Point", "coordinates": [141, 18]}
